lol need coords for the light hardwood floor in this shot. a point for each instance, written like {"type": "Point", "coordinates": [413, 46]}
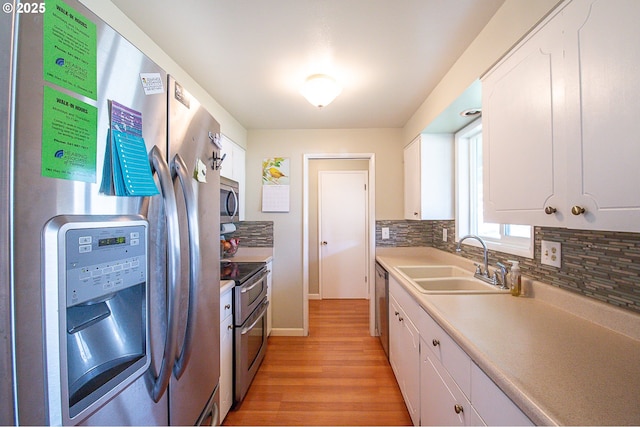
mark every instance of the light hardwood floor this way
{"type": "Point", "coordinates": [338, 375]}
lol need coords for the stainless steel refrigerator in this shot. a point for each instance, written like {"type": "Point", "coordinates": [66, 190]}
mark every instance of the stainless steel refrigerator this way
{"type": "Point", "coordinates": [57, 173]}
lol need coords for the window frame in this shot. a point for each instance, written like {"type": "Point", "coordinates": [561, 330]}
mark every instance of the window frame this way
{"type": "Point", "coordinates": [466, 210]}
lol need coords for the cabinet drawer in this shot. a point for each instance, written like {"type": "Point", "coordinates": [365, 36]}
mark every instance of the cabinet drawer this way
{"type": "Point", "coordinates": [495, 406]}
{"type": "Point", "coordinates": [452, 357]}
{"type": "Point", "coordinates": [225, 304]}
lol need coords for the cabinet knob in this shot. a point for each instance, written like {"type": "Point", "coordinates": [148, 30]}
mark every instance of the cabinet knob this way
{"type": "Point", "coordinates": [435, 342]}
{"type": "Point", "coordinates": [229, 327]}
{"type": "Point", "coordinates": [578, 210]}
{"type": "Point", "coordinates": [550, 210]}
{"type": "Point", "coordinates": [397, 312]}
{"type": "Point", "coordinates": [324, 243]}
{"type": "Point", "coordinates": [458, 408]}
{"type": "Point", "coordinates": [415, 214]}
{"type": "Point", "coordinates": [227, 306]}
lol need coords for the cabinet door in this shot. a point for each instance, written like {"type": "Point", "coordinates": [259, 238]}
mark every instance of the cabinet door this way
{"type": "Point", "coordinates": [412, 180]}
{"type": "Point", "coordinates": [404, 356]}
{"type": "Point", "coordinates": [226, 169]}
{"type": "Point", "coordinates": [603, 90]}
{"type": "Point", "coordinates": [522, 128]}
{"type": "Point", "coordinates": [226, 366]}
{"type": "Point", "coordinates": [269, 293]}
{"type": "Point", "coordinates": [441, 401]}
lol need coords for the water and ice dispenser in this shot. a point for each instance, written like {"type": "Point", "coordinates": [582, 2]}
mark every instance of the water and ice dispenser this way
{"type": "Point", "coordinates": [96, 310]}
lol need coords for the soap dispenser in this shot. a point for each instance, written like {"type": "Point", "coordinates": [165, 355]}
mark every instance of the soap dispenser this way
{"type": "Point", "coordinates": [515, 280]}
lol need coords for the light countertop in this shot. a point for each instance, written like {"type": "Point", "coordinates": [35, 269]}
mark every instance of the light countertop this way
{"type": "Point", "coordinates": [252, 255]}
{"type": "Point", "coordinates": [559, 367]}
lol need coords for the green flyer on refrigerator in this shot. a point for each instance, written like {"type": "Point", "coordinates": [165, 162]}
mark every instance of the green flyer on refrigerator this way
{"type": "Point", "coordinates": [69, 49]}
{"type": "Point", "coordinates": [69, 137]}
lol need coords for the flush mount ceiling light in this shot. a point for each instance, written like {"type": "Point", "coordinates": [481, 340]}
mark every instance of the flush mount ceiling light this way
{"type": "Point", "coordinates": [320, 90]}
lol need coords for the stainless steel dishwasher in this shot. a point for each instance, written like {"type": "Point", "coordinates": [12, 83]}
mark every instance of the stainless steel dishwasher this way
{"type": "Point", "coordinates": [382, 306]}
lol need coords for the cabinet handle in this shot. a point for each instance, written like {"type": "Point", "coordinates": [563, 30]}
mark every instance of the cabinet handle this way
{"type": "Point", "coordinates": [550, 210]}
{"type": "Point", "coordinates": [435, 342]}
{"type": "Point", "coordinates": [578, 210]}
{"type": "Point", "coordinates": [458, 408]}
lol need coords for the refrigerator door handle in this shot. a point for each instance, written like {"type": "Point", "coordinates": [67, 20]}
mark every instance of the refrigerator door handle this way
{"type": "Point", "coordinates": [158, 384]}
{"type": "Point", "coordinates": [179, 169]}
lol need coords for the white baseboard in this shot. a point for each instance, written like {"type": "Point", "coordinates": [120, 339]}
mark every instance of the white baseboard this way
{"type": "Point", "coordinates": [287, 332]}
{"type": "Point", "coordinates": [314, 296]}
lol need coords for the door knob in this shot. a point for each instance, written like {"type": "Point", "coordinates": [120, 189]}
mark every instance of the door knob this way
{"type": "Point", "coordinates": [578, 210]}
{"type": "Point", "coordinates": [324, 243]}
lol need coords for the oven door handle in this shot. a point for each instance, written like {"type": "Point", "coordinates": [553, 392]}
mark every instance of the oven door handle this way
{"type": "Point", "coordinates": [246, 329]}
{"type": "Point", "coordinates": [244, 290]}
{"type": "Point", "coordinates": [180, 168]}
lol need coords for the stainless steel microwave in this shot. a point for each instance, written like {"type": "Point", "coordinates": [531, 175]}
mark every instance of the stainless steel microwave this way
{"type": "Point", "coordinates": [229, 201]}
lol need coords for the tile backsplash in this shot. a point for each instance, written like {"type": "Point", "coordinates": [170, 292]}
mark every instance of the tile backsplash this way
{"type": "Point", "coordinates": [603, 265]}
{"type": "Point", "coordinates": [254, 234]}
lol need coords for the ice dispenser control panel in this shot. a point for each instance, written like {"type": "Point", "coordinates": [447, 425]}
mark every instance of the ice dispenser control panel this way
{"type": "Point", "coordinates": [103, 260]}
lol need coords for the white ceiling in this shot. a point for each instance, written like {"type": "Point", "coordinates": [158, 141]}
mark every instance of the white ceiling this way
{"type": "Point", "coordinates": [252, 56]}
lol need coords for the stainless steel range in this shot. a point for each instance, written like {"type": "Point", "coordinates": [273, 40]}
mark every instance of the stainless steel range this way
{"type": "Point", "coordinates": [250, 320]}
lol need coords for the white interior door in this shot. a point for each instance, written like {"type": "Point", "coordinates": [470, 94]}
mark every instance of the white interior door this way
{"type": "Point", "coordinates": [343, 219]}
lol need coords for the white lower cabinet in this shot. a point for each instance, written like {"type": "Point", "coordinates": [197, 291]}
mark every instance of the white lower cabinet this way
{"type": "Point", "coordinates": [269, 292]}
{"type": "Point", "coordinates": [404, 356]}
{"type": "Point", "coordinates": [441, 400]}
{"type": "Point", "coordinates": [495, 406]}
{"type": "Point", "coordinates": [226, 354]}
{"type": "Point", "coordinates": [439, 382]}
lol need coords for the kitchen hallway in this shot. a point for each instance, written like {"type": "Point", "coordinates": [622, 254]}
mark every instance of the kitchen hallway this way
{"type": "Point", "coordinates": [338, 375]}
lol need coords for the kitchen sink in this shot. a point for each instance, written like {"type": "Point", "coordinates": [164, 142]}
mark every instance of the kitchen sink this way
{"type": "Point", "coordinates": [446, 279]}
{"type": "Point", "coordinates": [456, 285]}
{"type": "Point", "coordinates": [432, 271]}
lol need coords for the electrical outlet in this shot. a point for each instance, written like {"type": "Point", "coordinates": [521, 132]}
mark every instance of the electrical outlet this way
{"type": "Point", "coordinates": [444, 234]}
{"type": "Point", "coordinates": [385, 232]}
{"type": "Point", "coordinates": [551, 253]}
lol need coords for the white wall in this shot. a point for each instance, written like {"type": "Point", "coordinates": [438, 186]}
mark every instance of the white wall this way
{"type": "Point", "coordinates": [288, 227]}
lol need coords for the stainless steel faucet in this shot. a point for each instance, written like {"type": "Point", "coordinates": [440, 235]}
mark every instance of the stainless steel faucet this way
{"type": "Point", "coordinates": [483, 275]}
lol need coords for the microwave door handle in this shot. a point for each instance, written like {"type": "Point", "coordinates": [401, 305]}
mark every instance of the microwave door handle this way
{"type": "Point", "coordinates": [235, 205]}
{"type": "Point", "coordinates": [159, 384]}
{"type": "Point", "coordinates": [180, 168]}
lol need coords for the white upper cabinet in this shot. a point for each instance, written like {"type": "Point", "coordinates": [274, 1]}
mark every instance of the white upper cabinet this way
{"type": "Point", "coordinates": [428, 177]}
{"type": "Point", "coordinates": [233, 166]}
{"type": "Point", "coordinates": [558, 122]}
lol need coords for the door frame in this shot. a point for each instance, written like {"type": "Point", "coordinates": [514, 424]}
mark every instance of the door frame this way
{"type": "Point", "coordinates": [371, 249]}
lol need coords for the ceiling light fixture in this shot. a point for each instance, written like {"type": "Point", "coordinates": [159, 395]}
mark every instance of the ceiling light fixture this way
{"type": "Point", "coordinates": [471, 112]}
{"type": "Point", "coordinates": [320, 89]}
